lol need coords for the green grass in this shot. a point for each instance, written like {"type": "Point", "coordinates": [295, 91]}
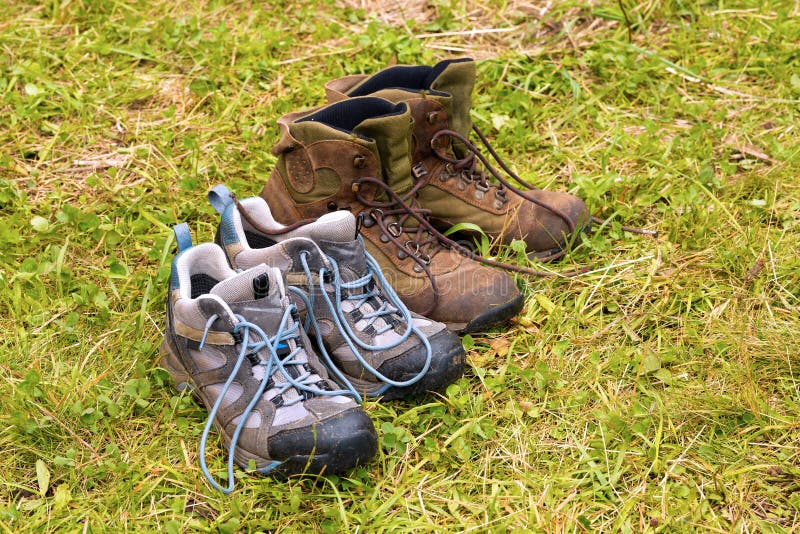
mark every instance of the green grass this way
{"type": "Point", "coordinates": [656, 393]}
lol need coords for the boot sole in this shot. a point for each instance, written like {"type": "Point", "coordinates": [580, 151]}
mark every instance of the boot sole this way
{"type": "Point", "coordinates": [348, 452]}
{"type": "Point", "coordinates": [497, 315]}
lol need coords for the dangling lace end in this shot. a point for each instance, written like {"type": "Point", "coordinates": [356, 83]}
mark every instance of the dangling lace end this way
{"type": "Point", "coordinates": [206, 329]}
{"type": "Point", "coordinates": [269, 467]}
{"type": "Point", "coordinates": [629, 229]}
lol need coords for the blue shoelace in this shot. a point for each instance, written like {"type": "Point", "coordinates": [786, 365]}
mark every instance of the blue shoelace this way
{"type": "Point", "coordinates": [272, 363]}
{"type": "Point", "coordinates": [391, 305]}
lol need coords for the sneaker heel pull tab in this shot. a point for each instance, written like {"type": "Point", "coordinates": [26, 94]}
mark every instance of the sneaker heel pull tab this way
{"type": "Point", "coordinates": [183, 236]}
{"type": "Point", "coordinates": [220, 197]}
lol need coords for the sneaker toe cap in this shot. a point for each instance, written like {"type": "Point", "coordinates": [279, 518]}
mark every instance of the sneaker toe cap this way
{"type": "Point", "coordinates": [333, 445]}
{"type": "Point", "coordinates": [446, 366]}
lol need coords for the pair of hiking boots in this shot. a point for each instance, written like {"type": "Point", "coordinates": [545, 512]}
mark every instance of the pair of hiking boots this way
{"type": "Point", "coordinates": [239, 314]}
{"type": "Point", "coordinates": [347, 243]}
{"type": "Point", "coordinates": [393, 148]}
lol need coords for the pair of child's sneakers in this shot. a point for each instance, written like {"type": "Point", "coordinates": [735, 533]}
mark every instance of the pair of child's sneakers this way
{"type": "Point", "coordinates": [238, 314]}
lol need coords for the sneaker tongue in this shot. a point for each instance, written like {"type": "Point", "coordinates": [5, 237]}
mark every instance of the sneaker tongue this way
{"type": "Point", "coordinates": [259, 296]}
{"type": "Point", "coordinates": [335, 226]}
{"type": "Point", "coordinates": [256, 283]}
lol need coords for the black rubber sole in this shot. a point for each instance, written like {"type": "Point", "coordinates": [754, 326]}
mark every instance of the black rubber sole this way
{"type": "Point", "coordinates": [497, 315]}
{"type": "Point", "coordinates": [350, 437]}
{"type": "Point", "coordinates": [444, 370]}
{"type": "Point", "coordinates": [354, 443]}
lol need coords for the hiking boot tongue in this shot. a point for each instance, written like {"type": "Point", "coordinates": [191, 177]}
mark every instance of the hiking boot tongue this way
{"type": "Point", "coordinates": [350, 257]}
{"type": "Point", "coordinates": [257, 294]}
{"type": "Point", "coordinates": [392, 136]}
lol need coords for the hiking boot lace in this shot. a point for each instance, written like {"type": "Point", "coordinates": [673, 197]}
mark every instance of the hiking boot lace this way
{"type": "Point", "coordinates": [420, 216]}
{"type": "Point", "coordinates": [468, 164]}
{"type": "Point", "coordinates": [422, 246]}
{"type": "Point", "coordinates": [266, 350]}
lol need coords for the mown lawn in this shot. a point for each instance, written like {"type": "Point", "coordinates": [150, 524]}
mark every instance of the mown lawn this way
{"type": "Point", "coordinates": [655, 393]}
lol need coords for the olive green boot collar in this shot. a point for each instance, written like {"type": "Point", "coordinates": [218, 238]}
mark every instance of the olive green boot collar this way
{"type": "Point", "coordinates": [450, 82]}
{"type": "Point", "coordinates": [378, 125]}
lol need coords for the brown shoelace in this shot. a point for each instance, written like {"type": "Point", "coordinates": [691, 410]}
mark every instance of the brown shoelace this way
{"type": "Point", "coordinates": [400, 205]}
{"type": "Point", "coordinates": [469, 162]}
{"type": "Point", "coordinates": [422, 246]}
{"type": "Point", "coordinates": [264, 230]}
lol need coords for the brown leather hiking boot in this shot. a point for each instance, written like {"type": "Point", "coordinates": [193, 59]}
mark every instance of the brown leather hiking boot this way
{"type": "Point", "coordinates": [456, 190]}
{"type": "Point", "coordinates": [356, 155]}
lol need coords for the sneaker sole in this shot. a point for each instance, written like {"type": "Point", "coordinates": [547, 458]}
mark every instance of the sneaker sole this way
{"type": "Point", "coordinates": [444, 371]}
{"type": "Point", "coordinates": [348, 453]}
{"type": "Point", "coordinates": [449, 369]}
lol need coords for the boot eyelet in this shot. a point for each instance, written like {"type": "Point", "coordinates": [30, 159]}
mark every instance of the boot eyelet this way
{"type": "Point", "coordinates": [368, 222]}
{"type": "Point", "coordinates": [414, 247]}
{"type": "Point", "coordinates": [394, 229]}
{"type": "Point", "coordinates": [359, 162]}
{"type": "Point", "coordinates": [375, 214]}
{"type": "Point", "coordinates": [432, 117]}
{"type": "Point", "coordinates": [461, 185]}
{"type": "Point", "coordinates": [417, 268]}
{"type": "Point", "coordinates": [332, 206]}
{"type": "Point", "coordinates": [401, 255]}
{"type": "Point", "coordinates": [443, 176]}
{"type": "Point", "coordinates": [481, 187]}
{"type": "Point", "coordinates": [479, 194]}
{"type": "Point", "coordinates": [384, 238]}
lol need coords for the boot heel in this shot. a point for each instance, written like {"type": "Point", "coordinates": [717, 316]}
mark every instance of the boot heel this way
{"type": "Point", "coordinates": [172, 364]}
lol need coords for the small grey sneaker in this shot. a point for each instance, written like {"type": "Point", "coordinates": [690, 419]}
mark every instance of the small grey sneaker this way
{"type": "Point", "coordinates": [373, 341]}
{"type": "Point", "coordinates": [235, 339]}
